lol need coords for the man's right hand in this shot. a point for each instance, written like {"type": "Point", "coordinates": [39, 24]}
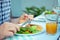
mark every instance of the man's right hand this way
{"type": "Point", "coordinates": [8, 29]}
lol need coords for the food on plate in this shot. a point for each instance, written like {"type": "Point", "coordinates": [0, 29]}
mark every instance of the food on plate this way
{"type": "Point", "coordinates": [30, 29]}
{"type": "Point", "coordinates": [50, 12]}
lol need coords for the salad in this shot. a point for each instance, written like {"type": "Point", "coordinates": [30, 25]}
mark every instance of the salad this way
{"type": "Point", "coordinates": [30, 29]}
{"type": "Point", "coordinates": [50, 12]}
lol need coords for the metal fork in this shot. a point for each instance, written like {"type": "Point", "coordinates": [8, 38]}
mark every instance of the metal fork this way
{"type": "Point", "coordinates": [26, 23]}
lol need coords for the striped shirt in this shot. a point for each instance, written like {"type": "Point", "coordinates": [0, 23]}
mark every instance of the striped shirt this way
{"type": "Point", "coordinates": [4, 10]}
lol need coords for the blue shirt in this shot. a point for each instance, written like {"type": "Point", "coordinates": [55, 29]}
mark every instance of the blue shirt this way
{"type": "Point", "coordinates": [4, 10]}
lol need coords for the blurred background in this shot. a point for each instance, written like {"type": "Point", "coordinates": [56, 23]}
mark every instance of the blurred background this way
{"type": "Point", "coordinates": [17, 6]}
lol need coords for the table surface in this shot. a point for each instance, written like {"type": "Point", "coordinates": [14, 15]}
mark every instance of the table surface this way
{"type": "Point", "coordinates": [41, 36]}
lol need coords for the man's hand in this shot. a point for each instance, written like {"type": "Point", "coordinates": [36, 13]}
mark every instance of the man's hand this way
{"type": "Point", "coordinates": [25, 17]}
{"type": "Point", "coordinates": [8, 29]}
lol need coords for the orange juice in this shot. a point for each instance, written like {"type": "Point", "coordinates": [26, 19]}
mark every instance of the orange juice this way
{"type": "Point", "coordinates": [51, 28]}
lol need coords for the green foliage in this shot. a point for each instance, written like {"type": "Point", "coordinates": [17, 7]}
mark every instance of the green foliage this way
{"type": "Point", "coordinates": [35, 10]}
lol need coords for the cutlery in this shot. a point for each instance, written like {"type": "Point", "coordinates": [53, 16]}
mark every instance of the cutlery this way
{"type": "Point", "coordinates": [26, 23]}
{"type": "Point", "coordinates": [29, 21]}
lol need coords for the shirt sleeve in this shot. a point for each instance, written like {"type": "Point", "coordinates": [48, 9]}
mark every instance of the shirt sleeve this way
{"type": "Point", "coordinates": [1, 12]}
{"type": "Point", "coordinates": [4, 11]}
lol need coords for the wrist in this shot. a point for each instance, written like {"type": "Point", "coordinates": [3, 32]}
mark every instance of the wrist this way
{"type": "Point", "coordinates": [1, 35]}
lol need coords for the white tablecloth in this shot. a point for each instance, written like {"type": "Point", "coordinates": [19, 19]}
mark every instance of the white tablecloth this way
{"type": "Point", "coordinates": [41, 36]}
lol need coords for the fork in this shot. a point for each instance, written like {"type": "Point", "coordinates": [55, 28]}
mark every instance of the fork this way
{"type": "Point", "coordinates": [26, 23]}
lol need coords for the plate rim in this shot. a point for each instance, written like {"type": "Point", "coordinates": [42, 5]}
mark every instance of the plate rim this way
{"type": "Point", "coordinates": [31, 34]}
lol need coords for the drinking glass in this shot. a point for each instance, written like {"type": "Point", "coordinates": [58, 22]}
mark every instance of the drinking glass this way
{"type": "Point", "coordinates": [51, 27]}
{"type": "Point", "coordinates": [51, 23]}
{"type": "Point", "coordinates": [57, 10]}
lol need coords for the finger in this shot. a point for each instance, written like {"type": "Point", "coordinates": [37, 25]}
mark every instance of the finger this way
{"type": "Point", "coordinates": [17, 28]}
{"type": "Point", "coordinates": [9, 34]}
{"type": "Point", "coordinates": [24, 17]}
{"type": "Point", "coordinates": [13, 30]}
{"type": "Point", "coordinates": [13, 27]}
{"type": "Point", "coordinates": [31, 18]}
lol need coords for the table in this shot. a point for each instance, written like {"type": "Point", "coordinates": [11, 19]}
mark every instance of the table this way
{"type": "Point", "coordinates": [42, 36]}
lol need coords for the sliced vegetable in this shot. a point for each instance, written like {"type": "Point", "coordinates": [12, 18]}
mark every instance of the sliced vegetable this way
{"type": "Point", "coordinates": [29, 30]}
{"type": "Point", "coordinates": [50, 12]}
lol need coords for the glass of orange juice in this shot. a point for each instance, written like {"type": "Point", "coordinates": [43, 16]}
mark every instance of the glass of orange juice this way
{"type": "Point", "coordinates": [51, 28]}
{"type": "Point", "coordinates": [51, 24]}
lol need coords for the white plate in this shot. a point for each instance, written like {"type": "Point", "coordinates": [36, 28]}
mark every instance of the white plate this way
{"type": "Point", "coordinates": [51, 16]}
{"type": "Point", "coordinates": [43, 30]}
